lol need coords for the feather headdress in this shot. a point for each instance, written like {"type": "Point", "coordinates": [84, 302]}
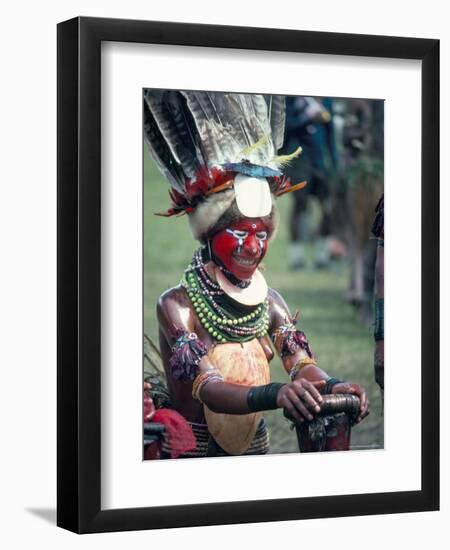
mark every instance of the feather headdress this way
{"type": "Point", "coordinates": [218, 150]}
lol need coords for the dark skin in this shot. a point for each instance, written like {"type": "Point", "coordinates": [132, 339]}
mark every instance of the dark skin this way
{"type": "Point", "coordinates": [300, 397]}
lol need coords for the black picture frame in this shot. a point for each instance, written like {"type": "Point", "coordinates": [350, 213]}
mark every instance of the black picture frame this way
{"type": "Point", "coordinates": [79, 274]}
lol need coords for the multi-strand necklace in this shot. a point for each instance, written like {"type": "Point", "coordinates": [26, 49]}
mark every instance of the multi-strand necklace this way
{"type": "Point", "coordinates": [225, 319]}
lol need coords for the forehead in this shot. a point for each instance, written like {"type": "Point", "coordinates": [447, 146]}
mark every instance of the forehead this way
{"type": "Point", "coordinates": [251, 225]}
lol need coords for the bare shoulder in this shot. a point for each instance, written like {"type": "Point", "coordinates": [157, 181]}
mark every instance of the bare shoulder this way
{"type": "Point", "coordinates": [275, 299]}
{"type": "Point", "coordinates": [278, 309]}
{"type": "Point", "coordinates": [174, 310]}
{"type": "Point", "coordinates": [176, 295]}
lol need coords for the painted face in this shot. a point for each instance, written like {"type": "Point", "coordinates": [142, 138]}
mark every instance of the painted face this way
{"type": "Point", "coordinates": [242, 246]}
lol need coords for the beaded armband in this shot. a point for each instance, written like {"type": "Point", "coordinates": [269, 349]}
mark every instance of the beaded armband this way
{"type": "Point", "coordinates": [288, 340]}
{"type": "Point", "coordinates": [202, 379]}
{"type": "Point", "coordinates": [298, 366]}
{"type": "Point", "coordinates": [187, 353]}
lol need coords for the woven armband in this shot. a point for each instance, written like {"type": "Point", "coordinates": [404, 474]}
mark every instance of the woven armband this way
{"type": "Point", "coordinates": [263, 398]}
{"type": "Point", "coordinates": [298, 366]}
{"type": "Point", "coordinates": [187, 353]}
{"type": "Point", "coordinates": [288, 340]}
{"type": "Point", "coordinates": [203, 379]}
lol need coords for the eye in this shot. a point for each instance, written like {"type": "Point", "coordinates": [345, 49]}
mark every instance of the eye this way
{"type": "Point", "coordinates": [240, 234]}
{"type": "Point", "coordinates": [261, 235]}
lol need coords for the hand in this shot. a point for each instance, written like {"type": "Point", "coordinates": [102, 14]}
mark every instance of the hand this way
{"type": "Point", "coordinates": [355, 389]}
{"type": "Point", "coordinates": [149, 407]}
{"type": "Point", "coordinates": [301, 398]}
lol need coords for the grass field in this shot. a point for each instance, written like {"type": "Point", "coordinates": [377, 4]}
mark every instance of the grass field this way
{"type": "Point", "coordinates": [343, 344]}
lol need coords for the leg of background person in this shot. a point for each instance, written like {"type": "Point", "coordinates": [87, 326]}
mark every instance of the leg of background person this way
{"type": "Point", "coordinates": [322, 255]}
{"type": "Point", "coordinates": [299, 232]}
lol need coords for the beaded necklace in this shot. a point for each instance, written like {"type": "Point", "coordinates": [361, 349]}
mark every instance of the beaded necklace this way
{"type": "Point", "coordinates": [225, 319]}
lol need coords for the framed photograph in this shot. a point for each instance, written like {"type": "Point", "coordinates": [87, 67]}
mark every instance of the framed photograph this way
{"type": "Point", "coordinates": [214, 360]}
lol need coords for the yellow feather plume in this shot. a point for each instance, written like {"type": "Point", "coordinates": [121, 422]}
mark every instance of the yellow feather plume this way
{"type": "Point", "coordinates": [251, 148]}
{"type": "Point", "coordinates": [283, 160]}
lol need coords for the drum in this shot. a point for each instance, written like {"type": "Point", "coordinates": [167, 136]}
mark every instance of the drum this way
{"type": "Point", "coordinates": [331, 429]}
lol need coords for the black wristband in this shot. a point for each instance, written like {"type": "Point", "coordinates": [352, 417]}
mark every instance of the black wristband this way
{"type": "Point", "coordinates": [263, 398]}
{"type": "Point", "coordinates": [327, 389]}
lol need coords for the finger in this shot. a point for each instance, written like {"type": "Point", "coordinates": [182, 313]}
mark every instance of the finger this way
{"type": "Point", "coordinates": [364, 410]}
{"type": "Point", "coordinates": [302, 397]}
{"type": "Point", "coordinates": [361, 417]}
{"type": "Point", "coordinates": [364, 402]}
{"type": "Point", "coordinates": [300, 407]}
{"type": "Point", "coordinates": [292, 411]}
{"type": "Point", "coordinates": [308, 400]}
{"type": "Point", "coordinates": [362, 398]}
{"type": "Point", "coordinates": [312, 389]}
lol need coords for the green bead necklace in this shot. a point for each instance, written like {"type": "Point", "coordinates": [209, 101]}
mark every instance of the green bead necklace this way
{"type": "Point", "coordinates": [223, 318]}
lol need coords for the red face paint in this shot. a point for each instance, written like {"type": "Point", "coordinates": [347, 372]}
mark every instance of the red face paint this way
{"type": "Point", "coordinates": [242, 246]}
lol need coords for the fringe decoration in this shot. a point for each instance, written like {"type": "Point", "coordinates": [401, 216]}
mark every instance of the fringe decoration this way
{"type": "Point", "coordinates": [187, 352]}
{"type": "Point", "coordinates": [293, 341]}
{"type": "Point", "coordinates": [178, 432]}
{"type": "Point", "coordinates": [288, 340]}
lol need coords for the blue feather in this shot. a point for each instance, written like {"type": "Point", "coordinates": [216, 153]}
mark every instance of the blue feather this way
{"type": "Point", "coordinates": [252, 170]}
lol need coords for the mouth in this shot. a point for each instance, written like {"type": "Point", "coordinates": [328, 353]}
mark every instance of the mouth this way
{"type": "Point", "coordinates": [246, 262]}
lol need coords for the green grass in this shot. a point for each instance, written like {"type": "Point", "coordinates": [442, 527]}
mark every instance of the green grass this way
{"type": "Point", "coordinates": [343, 344]}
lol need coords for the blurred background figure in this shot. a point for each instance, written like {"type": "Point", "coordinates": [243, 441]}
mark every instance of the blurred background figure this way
{"type": "Point", "coordinates": [309, 124]}
{"type": "Point", "coordinates": [378, 329]}
{"type": "Point", "coordinates": [360, 146]}
{"type": "Point", "coordinates": [342, 162]}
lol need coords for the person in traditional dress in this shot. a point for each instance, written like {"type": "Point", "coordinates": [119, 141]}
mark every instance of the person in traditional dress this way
{"type": "Point", "coordinates": [378, 232]}
{"type": "Point", "coordinates": [309, 123]}
{"type": "Point", "coordinates": [218, 327]}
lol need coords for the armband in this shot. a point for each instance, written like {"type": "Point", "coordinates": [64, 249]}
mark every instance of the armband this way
{"type": "Point", "coordinates": [288, 340]}
{"type": "Point", "coordinates": [330, 383]}
{"type": "Point", "coordinates": [263, 398]}
{"type": "Point", "coordinates": [298, 366]}
{"type": "Point", "coordinates": [203, 379]}
{"type": "Point", "coordinates": [187, 353]}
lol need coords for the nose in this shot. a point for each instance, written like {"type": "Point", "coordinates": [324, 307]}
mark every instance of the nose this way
{"type": "Point", "coordinates": [251, 245]}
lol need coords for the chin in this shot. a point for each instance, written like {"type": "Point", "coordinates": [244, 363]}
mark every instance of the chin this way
{"type": "Point", "coordinates": [242, 271]}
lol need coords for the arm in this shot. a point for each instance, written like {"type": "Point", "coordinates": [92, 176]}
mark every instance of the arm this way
{"type": "Point", "coordinates": [177, 321]}
{"type": "Point", "coordinates": [298, 359]}
{"type": "Point", "coordinates": [189, 361]}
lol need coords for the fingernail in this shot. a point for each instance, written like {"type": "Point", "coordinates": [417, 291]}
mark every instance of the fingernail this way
{"type": "Point", "coordinates": [317, 408]}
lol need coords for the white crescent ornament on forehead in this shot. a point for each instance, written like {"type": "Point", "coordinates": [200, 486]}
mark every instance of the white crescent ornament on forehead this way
{"type": "Point", "coordinates": [253, 295]}
{"type": "Point", "coordinates": [253, 197]}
